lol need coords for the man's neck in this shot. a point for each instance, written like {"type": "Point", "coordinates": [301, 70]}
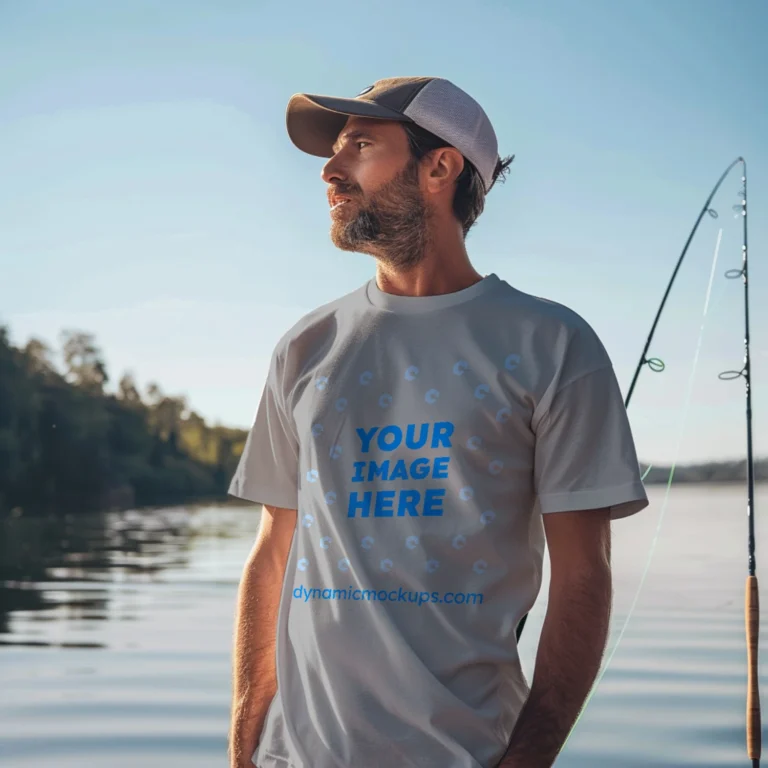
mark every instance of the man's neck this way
{"type": "Point", "coordinates": [445, 268]}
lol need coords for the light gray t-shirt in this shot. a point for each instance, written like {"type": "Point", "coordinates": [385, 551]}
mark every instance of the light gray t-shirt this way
{"type": "Point", "coordinates": [421, 440]}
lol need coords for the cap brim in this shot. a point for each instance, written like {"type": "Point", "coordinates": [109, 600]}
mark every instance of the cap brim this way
{"type": "Point", "coordinates": [314, 122]}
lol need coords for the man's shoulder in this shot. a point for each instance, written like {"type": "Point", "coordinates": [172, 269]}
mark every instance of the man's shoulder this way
{"type": "Point", "coordinates": [542, 312]}
{"type": "Point", "coordinates": [323, 322]}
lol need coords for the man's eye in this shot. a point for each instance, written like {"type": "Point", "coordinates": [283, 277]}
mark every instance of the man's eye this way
{"type": "Point", "coordinates": [360, 144]}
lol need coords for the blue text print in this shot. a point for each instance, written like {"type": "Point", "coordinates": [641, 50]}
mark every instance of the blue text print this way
{"type": "Point", "coordinates": [376, 444]}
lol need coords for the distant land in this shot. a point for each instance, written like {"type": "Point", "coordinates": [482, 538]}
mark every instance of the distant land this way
{"type": "Point", "coordinates": [709, 472]}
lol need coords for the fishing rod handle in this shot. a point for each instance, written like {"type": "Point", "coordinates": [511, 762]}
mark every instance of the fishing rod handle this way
{"type": "Point", "coordinates": [752, 618]}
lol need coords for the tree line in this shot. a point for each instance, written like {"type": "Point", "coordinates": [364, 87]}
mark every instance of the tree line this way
{"type": "Point", "coordinates": [68, 446]}
{"type": "Point", "coordinates": [708, 472]}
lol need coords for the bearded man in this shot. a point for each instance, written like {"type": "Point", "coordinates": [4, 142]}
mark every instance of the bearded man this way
{"type": "Point", "coordinates": [418, 443]}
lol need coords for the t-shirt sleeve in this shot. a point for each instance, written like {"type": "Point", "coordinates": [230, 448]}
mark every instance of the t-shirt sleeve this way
{"type": "Point", "coordinates": [268, 471]}
{"type": "Point", "coordinates": [585, 456]}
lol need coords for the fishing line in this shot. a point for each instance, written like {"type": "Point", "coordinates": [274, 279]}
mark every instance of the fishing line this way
{"type": "Point", "coordinates": [686, 407]}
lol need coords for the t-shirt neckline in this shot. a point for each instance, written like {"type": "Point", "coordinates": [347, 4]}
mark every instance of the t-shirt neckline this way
{"type": "Point", "coordinates": [417, 304]}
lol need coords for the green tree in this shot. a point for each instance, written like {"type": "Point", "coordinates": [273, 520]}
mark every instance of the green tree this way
{"type": "Point", "coordinates": [83, 362]}
{"type": "Point", "coordinates": [127, 391]}
{"type": "Point", "coordinates": [40, 357]}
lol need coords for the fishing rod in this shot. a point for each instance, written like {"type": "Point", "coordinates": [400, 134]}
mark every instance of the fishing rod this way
{"type": "Point", "coordinates": [751, 604]}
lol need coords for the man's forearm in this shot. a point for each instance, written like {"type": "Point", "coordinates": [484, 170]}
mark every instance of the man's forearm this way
{"type": "Point", "coordinates": [254, 672]}
{"type": "Point", "coordinates": [571, 647]}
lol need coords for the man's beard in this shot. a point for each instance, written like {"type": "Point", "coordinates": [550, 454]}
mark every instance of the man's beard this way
{"type": "Point", "coordinates": [390, 224]}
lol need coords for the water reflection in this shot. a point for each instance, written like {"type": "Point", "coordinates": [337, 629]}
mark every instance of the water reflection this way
{"type": "Point", "coordinates": [144, 602]}
{"type": "Point", "coordinates": [65, 570]}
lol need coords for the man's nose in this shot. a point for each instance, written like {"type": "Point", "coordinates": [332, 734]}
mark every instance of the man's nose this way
{"type": "Point", "coordinates": [333, 171]}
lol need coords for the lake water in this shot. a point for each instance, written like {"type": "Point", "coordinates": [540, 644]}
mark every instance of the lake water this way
{"type": "Point", "coordinates": [115, 637]}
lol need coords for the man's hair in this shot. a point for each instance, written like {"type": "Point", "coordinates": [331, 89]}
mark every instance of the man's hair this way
{"type": "Point", "coordinates": [469, 196]}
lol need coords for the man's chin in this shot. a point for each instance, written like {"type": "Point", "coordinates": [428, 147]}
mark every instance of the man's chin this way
{"type": "Point", "coordinates": [344, 243]}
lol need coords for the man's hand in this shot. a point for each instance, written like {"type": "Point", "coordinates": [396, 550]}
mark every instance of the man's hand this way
{"type": "Point", "coordinates": [244, 738]}
{"type": "Point", "coordinates": [573, 637]}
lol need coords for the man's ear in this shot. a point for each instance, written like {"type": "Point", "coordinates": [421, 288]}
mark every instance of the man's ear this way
{"type": "Point", "coordinates": [443, 166]}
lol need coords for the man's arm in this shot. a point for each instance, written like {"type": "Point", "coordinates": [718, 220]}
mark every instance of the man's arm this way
{"type": "Point", "coordinates": [573, 636]}
{"type": "Point", "coordinates": [254, 670]}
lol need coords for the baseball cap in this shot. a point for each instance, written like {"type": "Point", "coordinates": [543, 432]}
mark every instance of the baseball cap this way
{"type": "Point", "coordinates": [433, 103]}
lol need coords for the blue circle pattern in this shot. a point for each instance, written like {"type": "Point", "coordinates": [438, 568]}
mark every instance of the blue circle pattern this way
{"type": "Point", "coordinates": [466, 493]}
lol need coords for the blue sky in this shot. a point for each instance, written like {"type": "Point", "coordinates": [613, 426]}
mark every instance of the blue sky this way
{"type": "Point", "coordinates": [149, 193]}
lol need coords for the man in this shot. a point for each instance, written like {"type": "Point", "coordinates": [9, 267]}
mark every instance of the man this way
{"type": "Point", "coordinates": [417, 443]}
